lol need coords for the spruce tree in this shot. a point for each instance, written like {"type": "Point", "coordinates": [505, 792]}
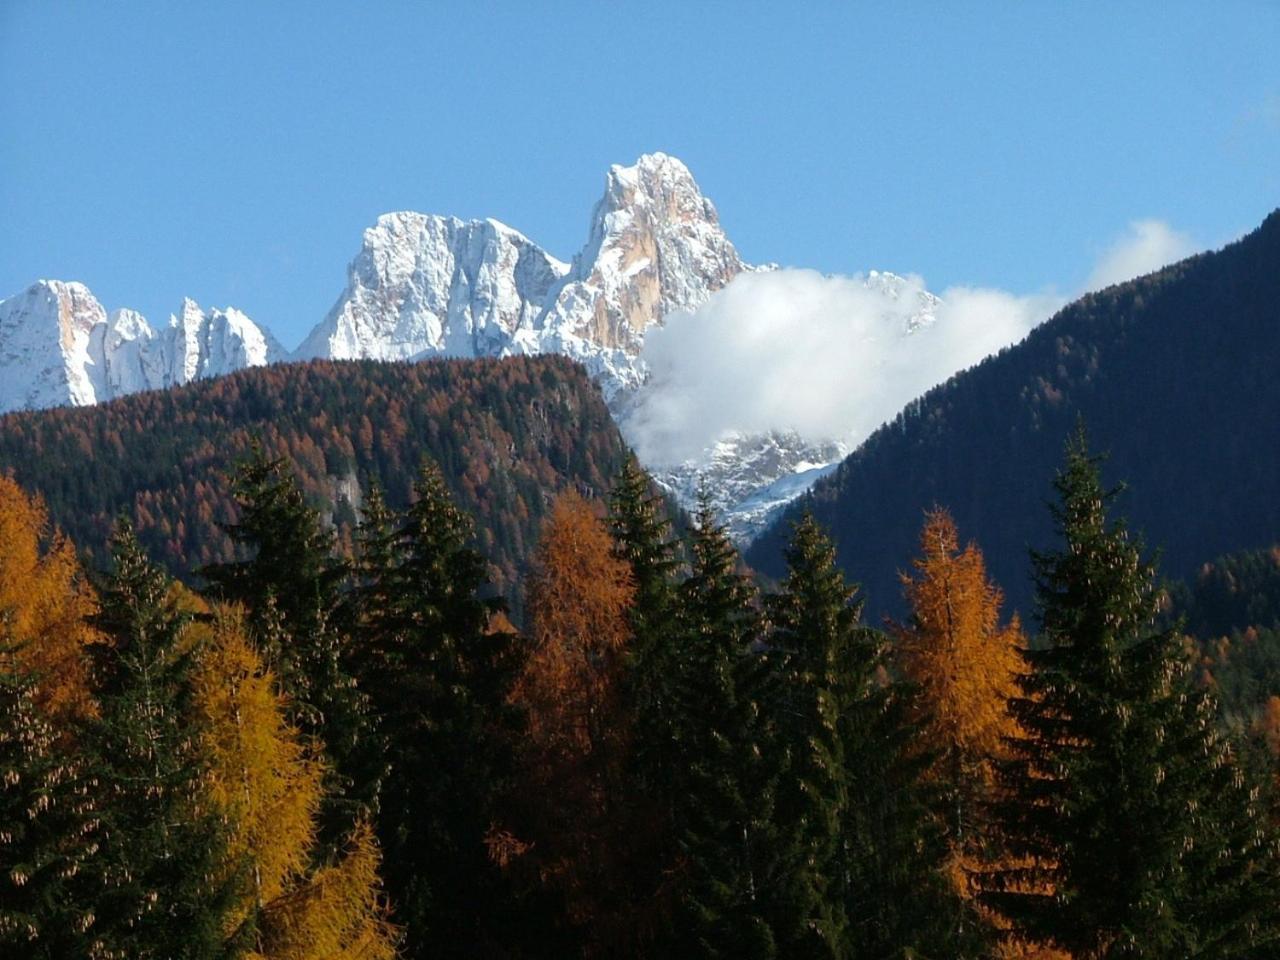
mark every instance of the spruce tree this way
{"type": "Point", "coordinates": [732, 861]}
{"type": "Point", "coordinates": [815, 629]}
{"type": "Point", "coordinates": [438, 677]}
{"type": "Point", "coordinates": [290, 582]}
{"type": "Point", "coordinates": [51, 830]}
{"type": "Point", "coordinates": [642, 538]}
{"type": "Point", "coordinates": [1129, 829]}
{"type": "Point", "coordinates": [162, 846]}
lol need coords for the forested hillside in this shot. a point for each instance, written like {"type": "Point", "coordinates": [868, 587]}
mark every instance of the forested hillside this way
{"type": "Point", "coordinates": [507, 435]}
{"type": "Point", "coordinates": [1232, 608]}
{"type": "Point", "coordinates": [1175, 375]}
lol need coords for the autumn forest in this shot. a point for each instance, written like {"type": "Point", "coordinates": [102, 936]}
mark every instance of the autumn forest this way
{"type": "Point", "coordinates": [340, 748]}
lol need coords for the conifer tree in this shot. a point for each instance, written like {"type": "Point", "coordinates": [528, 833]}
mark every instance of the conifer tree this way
{"type": "Point", "coordinates": [47, 604]}
{"type": "Point", "coordinates": [643, 539]}
{"type": "Point", "coordinates": [51, 830]}
{"type": "Point", "coordinates": [733, 861]}
{"type": "Point", "coordinates": [268, 786]}
{"type": "Point", "coordinates": [815, 628]}
{"type": "Point", "coordinates": [963, 664]}
{"type": "Point", "coordinates": [162, 845]}
{"type": "Point", "coordinates": [438, 676]}
{"type": "Point", "coordinates": [577, 731]}
{"type": "Point", "coordinates": [1129, 820]}
{"type": "Point", "coordinates": [290, 584]}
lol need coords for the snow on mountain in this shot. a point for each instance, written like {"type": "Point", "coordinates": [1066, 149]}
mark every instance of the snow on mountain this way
{"type": "Point", "coordinates": [425, 285]}
{"type": "Point", "coordinates": [58, 345]}
{"type": "Point", "coordinates": [752, 474]}
{"type": "Point", "coordinates": [750, 478]}
{"type": "Point", "coordinates": [437, 286]}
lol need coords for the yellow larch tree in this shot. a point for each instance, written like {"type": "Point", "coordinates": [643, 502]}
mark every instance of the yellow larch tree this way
{"type": "Point", "coordinates": [45, 603]}
{"type": "Point", "coordinates": [267, 784]}
{"type": "Point", "coordinates": [963, 663]}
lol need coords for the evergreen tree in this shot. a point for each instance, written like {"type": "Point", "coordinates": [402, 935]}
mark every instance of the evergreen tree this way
{"type": "Point", "coordinates": [643, 539]}
{"type": "Point", "coordinates": [732, 862]}
{"type": "Point", "coordinates": [51, 830]}
{"type": "Point", "coordinates": [1129, 827]}
{"type": "Point", "coordinates": [438, 677]}
{"type": "Point", "coordinates": [815, 628]}
{"type": "Point", "coordinates": [290, 584]}
{"type": "Point", "coordinates": [162, 844]}
{"type": "Point", "coordinates": [892, 871]}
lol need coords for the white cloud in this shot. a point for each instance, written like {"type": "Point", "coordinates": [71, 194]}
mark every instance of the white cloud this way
{"type": "Point", "coordinates": [827, 356]}
{"type": "Point", "coordinates": [1147, 245]}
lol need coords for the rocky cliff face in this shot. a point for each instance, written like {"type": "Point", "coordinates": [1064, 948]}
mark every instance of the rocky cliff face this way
{"type": "Point", "coordinates": [437, 286]}
{"type": "Point", "coordinates": [58, 345]}
{"type": "Point", "coordinates": [426, 285]}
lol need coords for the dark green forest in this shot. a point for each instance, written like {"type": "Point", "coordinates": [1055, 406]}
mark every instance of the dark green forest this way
{"type": "Point", "coordinates": [1175, 374]}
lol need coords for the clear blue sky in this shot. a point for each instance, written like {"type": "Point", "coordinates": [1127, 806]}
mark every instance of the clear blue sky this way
{"type": "Point", "coordinates": [233, 152]}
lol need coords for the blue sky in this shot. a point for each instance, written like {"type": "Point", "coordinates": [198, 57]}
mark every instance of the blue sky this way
{"type": "Point", "coordinates": [233, 152]}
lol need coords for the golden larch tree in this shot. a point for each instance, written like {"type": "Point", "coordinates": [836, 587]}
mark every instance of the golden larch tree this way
{"type": "Point", "coordinates": [45, 604]}
{"type": "Point", "coordinates": [267, 785]}
{"type": "Point", "coordinates": [964, 664]}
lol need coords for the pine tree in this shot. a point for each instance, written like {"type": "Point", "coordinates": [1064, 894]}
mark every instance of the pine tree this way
{"type": "Point", "coordinates": [815, 628]}
{"type": "Point", "coordinates": [438, 676]}
{"type": "Point", "coordinates": [290, 584]}
{"type": "Point", "coordinates": [732, 860]}
{"type": "Point", "coordinates": [1127, 815]}
{"type": "Point", "coordinates": [51, 830]}
{"type": "Point", "coordinates": [162, 845]}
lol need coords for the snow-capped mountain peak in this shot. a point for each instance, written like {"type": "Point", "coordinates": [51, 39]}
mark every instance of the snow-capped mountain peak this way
{"type": "Point", "coordinates": [424, 284]}
{"type": "Point", "coordinates": [58, 345]}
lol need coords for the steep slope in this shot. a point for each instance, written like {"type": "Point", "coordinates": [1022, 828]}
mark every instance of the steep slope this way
{"type": "Point", "coordinates": [58, 345]}
{"type": "Point", "coordinates": [508, 434]}
{"type": "Point", "coordinates": [1175, 375]}
{"type": "Point", "coordinates": [426, 286]}
{"type": "Point", "coordinates": [656, 246]}
{"type": "Point", "coordinates": [436, 286]}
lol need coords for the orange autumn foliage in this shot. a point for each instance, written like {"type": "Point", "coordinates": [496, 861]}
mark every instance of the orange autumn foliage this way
{"type": "Point", "coordinates": [965, 664]}
{"type": "Point", "coordinates": [954, 649]}
{"type": "Point", "coordinates": [579, 594]}
{"type": "Point", "coordinates": [44, 604]}
{"type": "Point", "coordinates": [576, 737]}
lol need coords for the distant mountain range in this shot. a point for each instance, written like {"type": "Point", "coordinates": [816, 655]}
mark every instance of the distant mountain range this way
{"type": "Point", "coordinates": [427, 286]}
{"type": "Point", "coordinates": [1175, 375]}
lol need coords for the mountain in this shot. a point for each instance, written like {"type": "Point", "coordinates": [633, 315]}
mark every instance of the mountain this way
{"type": "Point", "coordinates": [1175, 376]}
{"type": "Point", "coordinates": [425, 286]}
{"type": "Point", "coordinates": [58, 345]}
{"type": "Point", "coordinates": [507, 434]}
